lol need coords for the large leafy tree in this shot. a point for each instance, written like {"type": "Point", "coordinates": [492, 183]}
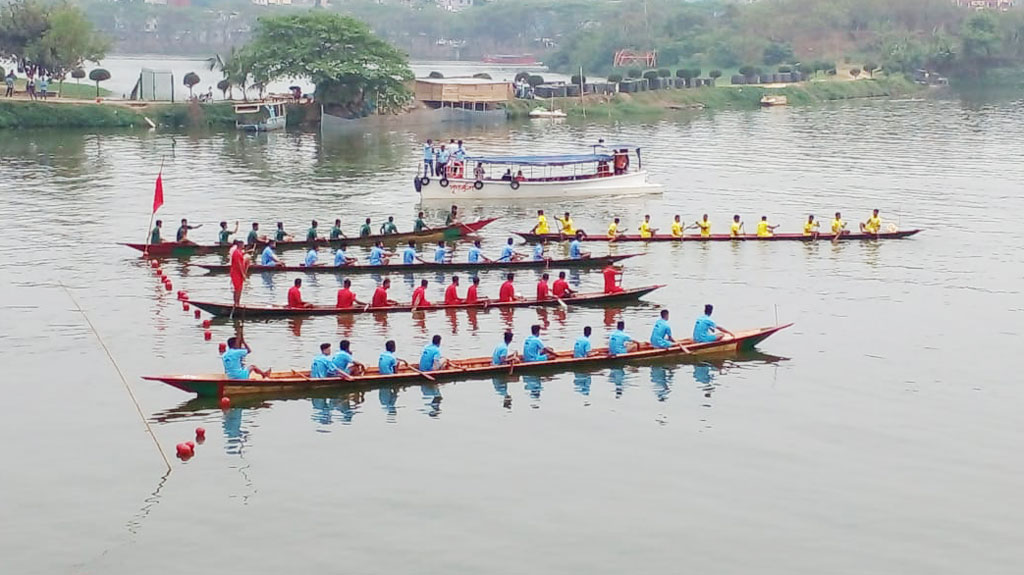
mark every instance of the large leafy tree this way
{"type": "Point", "coordinates": [54, 40]}
{"type": "Point", "coordinates": [353, 70]}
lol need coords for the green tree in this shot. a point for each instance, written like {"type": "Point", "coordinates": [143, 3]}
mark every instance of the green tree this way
{"type": "Point", "coordinates": [190, 80]}
{"type": "Point", "coordinates": [235, 67]}
{"type": "Point", "coordinates": [353, 69]}
{"type": "Point", "coordinates": [855, 72]}
{"type": "Point", "coordinates": [870, 68]}
{"type": "Point", "coordinates": [686, 74]}
{"type": "Point", "coordinates": [714, 75]}
{"type": "Point", "coordinates": [614, 78]}
{"type": "Point", "coordinates": [224, 86]}
{"type": "Point", "coordinates": [778, 53]}
{"type": "Point", "coordinates": [78, 74]}
{"type": "Point", "coordinates": [980, 40]}
{"type": "Point", "coordinates": [99, 75]}
{"type": "Point", "coordinates": [52, 39]}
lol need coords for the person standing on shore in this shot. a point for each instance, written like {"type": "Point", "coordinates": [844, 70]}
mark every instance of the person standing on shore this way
{"type": "Point", "coordinates": [9, 82]}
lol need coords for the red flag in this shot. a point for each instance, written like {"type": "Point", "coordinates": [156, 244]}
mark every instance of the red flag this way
{"type": "Point", "coordinates": [158, 193]}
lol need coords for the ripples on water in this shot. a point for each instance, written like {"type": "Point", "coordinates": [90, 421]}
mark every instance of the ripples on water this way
{"type": "Point", "coordinates": [896, 410]}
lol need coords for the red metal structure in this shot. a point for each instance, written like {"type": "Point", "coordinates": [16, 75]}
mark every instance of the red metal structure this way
{"type": "Point", "coordinates": [623, 58]}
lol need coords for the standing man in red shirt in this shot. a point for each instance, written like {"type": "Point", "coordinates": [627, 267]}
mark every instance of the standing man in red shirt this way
{"type": "Point", "coordinates": [295, 295]}
{"type": "Point", "coordinates": [419, 295]}
{"type": "Point", "coordinates": [239, 270]}
{"type": "Point", "coordinates": [346, 297]}
{"type": "Point", "coordinates": [451, 293]}
{"type": "Point", "coordinates": [542, 287]}
{"type": "Point", "coordinates": [612, 276]}
{"type": "Point", "coordinates": [507, 292]}
{"type": "Point", "coordinates": [380, 295]}
{"type": "Point", "coordinates": [561, 287]}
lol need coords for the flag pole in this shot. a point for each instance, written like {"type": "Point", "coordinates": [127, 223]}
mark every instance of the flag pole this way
{"type": "Point", "coordinates": [152, 215]}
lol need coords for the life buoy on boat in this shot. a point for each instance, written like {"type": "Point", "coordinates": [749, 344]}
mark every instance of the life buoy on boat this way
{"type": "Point", "coordinates": [416, 184]}
{"type": "Point", "coordinates": [478, 185]}
{"type": "Point", "coordinates": [443, 181]}
{"type": "Point", "coordinates": [515, 185]}
{"type": "Point", "coordinates": [424, 181]}
{"type": "Point", "coordinates": [455, 170]}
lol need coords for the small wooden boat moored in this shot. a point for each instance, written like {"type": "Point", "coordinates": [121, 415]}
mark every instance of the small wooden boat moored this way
{"type": "Point", "coordinates": [769, 101]}
{"type": "Point", "coordinates": [253, 312]}
{"type": "Point", "coordinates": [591, 262]}
{"type": "Point", "coordinates": [175, 249]}
{"type": "Point", "coordinates": [218, 385]}
{"type": "Point", "coordinates": [821, 237]}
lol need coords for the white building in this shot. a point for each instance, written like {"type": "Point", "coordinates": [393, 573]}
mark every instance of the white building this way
{"type": "Point", "coordinates": [454, 5]}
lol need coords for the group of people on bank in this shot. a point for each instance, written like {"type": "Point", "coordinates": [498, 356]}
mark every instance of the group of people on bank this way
{"type": "Point", "coordinates": [328, 364]}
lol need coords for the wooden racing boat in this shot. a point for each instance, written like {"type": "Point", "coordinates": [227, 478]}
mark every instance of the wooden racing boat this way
{"type": "Point", "coordinates": [249, 312]}
{"type": "Point", "coordinates": [591, 262]}
{"type": "Point", "coordinates": [822, 237]}
{"type": "Point", "coordinates": [218, 385]}
{"type": "Point", "coordinates": [175, 249]}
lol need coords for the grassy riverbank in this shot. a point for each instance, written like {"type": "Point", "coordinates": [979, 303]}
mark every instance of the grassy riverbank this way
{"type": "Point", "coordinates": [64, 114]}
{"type": "Point", "coordinates": [657, 102]}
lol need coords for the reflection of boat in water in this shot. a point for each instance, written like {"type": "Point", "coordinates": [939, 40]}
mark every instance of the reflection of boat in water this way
{"type": "Point", "coordinates": [260, 116]}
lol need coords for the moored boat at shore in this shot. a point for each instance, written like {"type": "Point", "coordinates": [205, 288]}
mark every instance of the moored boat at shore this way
{"type": "Point", "coordinates": [218, 385]}
{"type": "Point", "coordinates": [822, 237]}
{"type": "Point", "coordinates": [264, 312]}
{"type": "Point", "coordinates": [176, 249]}
{"type": "Point", "coordinates": [591, 262]}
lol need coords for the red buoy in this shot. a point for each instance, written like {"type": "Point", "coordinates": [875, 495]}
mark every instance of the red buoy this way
{"type": "Point", "coordinates": [184, 450]}
{"type": "Point", "coordinates": [159, 273]}
{"type": "Point", "coordinates": [222, 347]}
{"type": "Point", "coordinates": [179, 295]}
{"type": "Point", "coordinates": [184, 295]}
{"type": "Point", "coordinates": [206, 324]}
{"type": "Point", "coordinates": [225, 402]}
{"type": "Point", "coordinates": [168, 286]}
{"type": "Point", "coordinates": [207, 335]}
{"type": "Point", "coordinates": [191, 445]}
{"type": "Point", "coordinates": [154, 263]}
{"type": "Point", "coordinates": [184, 305]}
{"type": "Point", "coordinates": [200, 433]}
{"type": "Point", "coordinates": [198, 313]}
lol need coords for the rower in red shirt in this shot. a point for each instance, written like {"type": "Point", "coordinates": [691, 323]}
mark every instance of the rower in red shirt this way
{"type": "Point", "coordinates": [451, 293]}
{"type": "Point", "coordinates": [346, 297]}
{"type": "Point", "coordinates": [507, 292]}
{"type": "Point", "coordinates": [295, 295]}
{"type": "Point", "coordinates": [612, 275]}
{"type": "Point", "coordinates": [471, 293]}
{"type": "Point", "coordinates": [561, 287]}
{"type": "Point", "coordinates": [543, 292]}
{"type": "Point", "coordinates": [380, 295]}
{"type": "Point", "coordinates": [419, 295]}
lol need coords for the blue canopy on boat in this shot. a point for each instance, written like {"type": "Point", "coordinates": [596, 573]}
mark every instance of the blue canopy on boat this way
{"type": "Point", "coordinates": [561, 160]}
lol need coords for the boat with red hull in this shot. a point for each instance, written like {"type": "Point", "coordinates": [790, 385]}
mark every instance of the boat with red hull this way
{"type": "Point", "coordinates": [176, 249]}
{"type": "Point", "coordinates": [591, 262]}
{"type": "Point", "coordinates": [218, 385]}
{"type": "Point", "coordinates": [822, 237]}
{"type": "Point", "coordinates": [253, 312]}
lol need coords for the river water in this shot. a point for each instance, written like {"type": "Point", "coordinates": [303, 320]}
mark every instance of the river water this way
{"type": "Point", "coordinates": [880, 434]}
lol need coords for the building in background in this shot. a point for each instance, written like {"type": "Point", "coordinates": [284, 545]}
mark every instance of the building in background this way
{"type": "Point", "coordinates": [454, 5]}
{"type": "Point", "coordinates": [1001, 5]}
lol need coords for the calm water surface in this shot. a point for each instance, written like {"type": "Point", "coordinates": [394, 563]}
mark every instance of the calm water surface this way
{"type": "Point", "coordinates": [881, 434]}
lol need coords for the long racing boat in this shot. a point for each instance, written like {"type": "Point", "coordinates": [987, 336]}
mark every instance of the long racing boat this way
{"type": "Point", "coordinates": [177, 249]}
{"type": "Point", "coordinates": [591, 262]}
{"type": "Point", "coordinates": [218, 385]}
{"type": "Point", "coordinates": [821, 237]}
{"type": "Point", "coordinates": [250, 312]}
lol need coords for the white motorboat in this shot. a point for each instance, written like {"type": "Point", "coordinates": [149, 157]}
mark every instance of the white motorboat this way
{"type": "Point", "coordinates": [542, 113]}
{"type": "Point", "coordinates": [260, 116]}
{"type": "Point", "coordinates": [604, 172]}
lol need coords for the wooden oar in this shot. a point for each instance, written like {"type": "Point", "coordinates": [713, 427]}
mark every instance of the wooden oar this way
{"type": "Point", "coordinates": [835, 239]}
{"type": "Point", "coordinates": [300, 375]}
{"type": "Point", "coordinates": [561, 303]}
{"type": "Point", "coordinates": [426, 375]}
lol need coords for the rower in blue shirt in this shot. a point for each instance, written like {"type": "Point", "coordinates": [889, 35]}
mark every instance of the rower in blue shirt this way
{"type": "Point", "coordinates": [619, 341]}
{"type": "Point", "coordinates": [440, 253]}
{"type": "Point", "coordinates": [582, 346]}
{"type": "Point", "coordinates": [502, 355]}
{"type": "Point", "coordinates": [704, 330]}
{"type": "Point", "coordinates": [576, 249]}
{"type": "Point", "coordinates": [378, 256]}
{"type": "Point", "coordinates": [534, 349]}
{"type": "Point", "coordinates": [430, 359]}
{"type": "Point", "coordinates": [661, 335]}
{"type": "Point", "coordinates": [268, 257]}
{"type": "Point", "coordinates": [344, 362]}
{"type": "Point", "coordinates": [322, 365]}
{"type": "Point", "coordinates": [508, 253]}
{"type": "Point", "coordinates": [388, 363]}
{"type": "Point", "coordinates": [538, 252]}
{"type": "Point", "coordinates": [234, 360]}
{"type": "Point", "coordinates": [311, 257]}
{"type": "Point", "coordinates": [409, 253]}
{"type": "Point", "coordinates": [341, 257]}
{"type": "Point", "coordinates": [476, 254]}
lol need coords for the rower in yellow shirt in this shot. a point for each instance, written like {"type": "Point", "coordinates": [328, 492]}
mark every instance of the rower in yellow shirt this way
{"type": "Point", "coordinates": [764, 229]}
{"type": "Point", "coordinates": [566, 225]}
{"type": "Point", "coordinates": [838, 225]}
{"type": "Point", "coordinates": [646, 230]}
{"type": "Point", "coordinates": [542, 224]}
{"type": "Point", "coordinates": [873, 225]}
{"type": "Point", "coordinates": [704, 226]}
{"type": "Point", "coordinates": [736, 230]}
{"type": "Point", "coordinates": [677, 227]}
{"type": "Point", "coordinates": [811, 227]}
{"type": "Point", "coordinates": [613, 229]}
